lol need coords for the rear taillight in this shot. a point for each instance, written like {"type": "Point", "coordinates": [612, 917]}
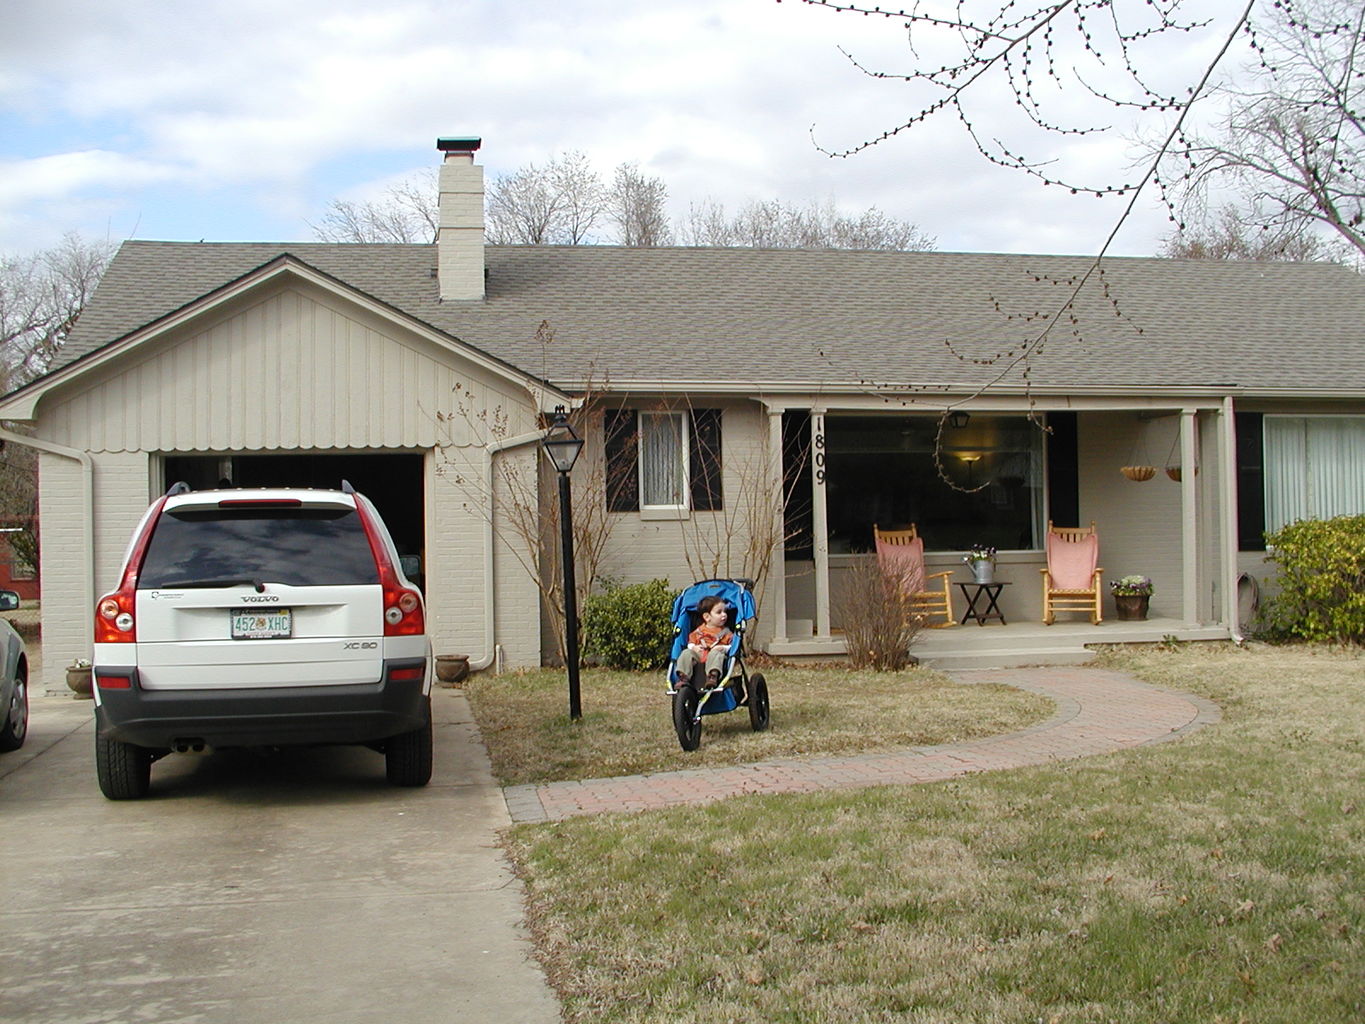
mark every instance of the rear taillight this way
{"type": "Point", "coordinates": [115, 614]}
{"type": "Point", "coordinates": [113, 682]}
{"type": "Point", "coordinates": [403, 615]}
{"type": "Point", "coordinates": [114, 621]}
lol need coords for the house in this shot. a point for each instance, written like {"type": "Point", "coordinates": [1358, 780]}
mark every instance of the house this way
{"type": "Point", "coordinates": [752, 412]}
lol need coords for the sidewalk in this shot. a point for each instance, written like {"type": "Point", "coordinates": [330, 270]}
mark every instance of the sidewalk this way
{"type": "Point", "coordinates": [1098, 711]}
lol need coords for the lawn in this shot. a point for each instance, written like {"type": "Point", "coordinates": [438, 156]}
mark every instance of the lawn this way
{"type": "Point", "coordinates": [1214, 879]}
{"type": "Point", "coordinates": [627, 725]}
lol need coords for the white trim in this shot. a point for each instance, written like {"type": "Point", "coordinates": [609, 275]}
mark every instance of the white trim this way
{"type": "Point", "coordinates": [819, 520]}
{"type": "Point", "coordinates": [1189, 517]}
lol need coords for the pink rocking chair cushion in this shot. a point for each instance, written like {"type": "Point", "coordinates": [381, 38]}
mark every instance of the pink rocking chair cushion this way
{"type": "Point", "coordinates": [903, 561]}
{"type": "Point", "coordinates": [1071, 563]}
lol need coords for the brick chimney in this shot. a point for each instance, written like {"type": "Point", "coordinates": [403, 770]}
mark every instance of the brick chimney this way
{"type": "Point", "coordinates": [459, 236]}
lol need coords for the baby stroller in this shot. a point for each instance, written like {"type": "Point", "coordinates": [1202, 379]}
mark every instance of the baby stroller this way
{"type": "Point", "coordinates": [736, 687]}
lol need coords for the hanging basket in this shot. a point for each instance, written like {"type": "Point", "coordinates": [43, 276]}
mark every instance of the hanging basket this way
{"type": "Point", "coordinates": [1174, 472]}
{"type": "Point", "coordinates": [1139, 473]}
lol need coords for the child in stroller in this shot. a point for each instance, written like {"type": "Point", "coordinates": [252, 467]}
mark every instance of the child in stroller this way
{"type": "Point", "coordinates": [701, 618]}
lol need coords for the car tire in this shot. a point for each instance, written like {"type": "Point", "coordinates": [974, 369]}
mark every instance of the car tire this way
{"type": "Point", "coordinates": [15, 726]}
{"type": "Point", "coordinates": [408, 756]}
{"type": "Point", "coordinates": [124, 769]}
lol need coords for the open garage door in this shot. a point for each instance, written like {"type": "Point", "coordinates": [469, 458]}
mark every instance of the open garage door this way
{"type": "Point", "coordinates": [393, 481]}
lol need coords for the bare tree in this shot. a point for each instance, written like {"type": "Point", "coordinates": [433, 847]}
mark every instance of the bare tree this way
{"type": "Point", "coordinates": [1229, 236]}
{"type": "Point", "coordinates": [636, 204]}
{"type": "Point", "coordinates": [557, 203]}
{"type": "Point", "coordinates": [408, 212]}
{"type": "Point", "coordinates": [41, 297]}
{"type": "Point", "coordinates": [1291, 145]}
{"type": "Point", "coordinates": [779, 225]}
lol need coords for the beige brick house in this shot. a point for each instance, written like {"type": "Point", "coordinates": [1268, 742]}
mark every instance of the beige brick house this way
{"type": "Point", "coordinates": [764, 409]}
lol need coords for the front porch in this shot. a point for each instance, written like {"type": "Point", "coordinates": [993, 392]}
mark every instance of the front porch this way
{"type": "Point", "coordinates": [1023, 643]}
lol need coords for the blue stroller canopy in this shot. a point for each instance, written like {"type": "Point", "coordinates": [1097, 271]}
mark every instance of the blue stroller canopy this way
{"type": "Point", "coordinates": [735, 593]}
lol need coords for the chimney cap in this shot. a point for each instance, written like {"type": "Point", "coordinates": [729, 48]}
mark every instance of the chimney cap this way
{"type": "Point", "coordinates": [461, 144]}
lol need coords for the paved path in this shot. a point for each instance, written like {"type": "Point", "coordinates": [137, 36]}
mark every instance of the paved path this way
{"type": "Point", "coordinates": [1098, 711]}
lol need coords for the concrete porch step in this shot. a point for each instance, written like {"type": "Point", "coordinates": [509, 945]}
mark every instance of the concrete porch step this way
{"type": "Point", "coordinates": [1002, 657]}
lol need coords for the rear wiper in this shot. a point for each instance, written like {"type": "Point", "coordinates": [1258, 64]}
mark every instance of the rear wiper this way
{"type": "Point", "coordinates": [198, 584]}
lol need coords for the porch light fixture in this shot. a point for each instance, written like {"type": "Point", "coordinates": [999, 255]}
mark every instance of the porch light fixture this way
{"type": "Point", "coordinates": [959, 419]}
{"type": "Point", "coordinates": [562, 446]}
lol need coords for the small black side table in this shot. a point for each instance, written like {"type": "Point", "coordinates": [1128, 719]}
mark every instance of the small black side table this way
{"type": "Point", "coordinates": [972, 593]}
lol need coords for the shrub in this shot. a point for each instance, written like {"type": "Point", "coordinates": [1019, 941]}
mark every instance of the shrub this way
{"type": "Point", "coordinates": [1321, 579]}
{"type": "Point", "coordinates": [879, 626]}
{"type": "Point", "coordinates": [629, 627]}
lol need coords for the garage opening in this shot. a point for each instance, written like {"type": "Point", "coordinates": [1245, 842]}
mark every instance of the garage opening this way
{"type": "Point", "coordinates": [394, 482]}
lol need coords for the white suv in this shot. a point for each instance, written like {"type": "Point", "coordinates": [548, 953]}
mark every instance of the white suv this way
{"type": "Point", "coordinates": [260, 618]}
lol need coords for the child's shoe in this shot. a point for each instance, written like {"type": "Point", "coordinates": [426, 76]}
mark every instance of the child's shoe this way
{"type": "Point", "coordinates": [713, 678]}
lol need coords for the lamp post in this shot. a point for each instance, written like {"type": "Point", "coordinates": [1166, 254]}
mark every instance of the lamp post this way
{"type": "Point", "coordinates": [562, 446]}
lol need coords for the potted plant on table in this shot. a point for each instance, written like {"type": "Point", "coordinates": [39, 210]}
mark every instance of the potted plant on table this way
{"type": "Point", "coordinates": [981, 558]}
{"type": "Point", "coordinates": [1131, 597]}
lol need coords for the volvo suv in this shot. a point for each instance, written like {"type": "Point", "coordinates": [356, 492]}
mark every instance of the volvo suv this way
{"type": "Point", "coordinates": [260, 618]}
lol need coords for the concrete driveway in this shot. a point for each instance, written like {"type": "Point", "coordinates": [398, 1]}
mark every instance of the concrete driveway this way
{"type": "Point", "coordinates": [299, 887]}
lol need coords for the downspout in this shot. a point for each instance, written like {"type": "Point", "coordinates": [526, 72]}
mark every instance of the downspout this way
{"type": "Point", "coordinates": [493, 650]}
{"type": "Point", "coordinates": [88, 500]}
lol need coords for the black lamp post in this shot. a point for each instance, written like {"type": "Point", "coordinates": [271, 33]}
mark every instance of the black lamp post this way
{"type": "Point", "coordinates": [562, 446]}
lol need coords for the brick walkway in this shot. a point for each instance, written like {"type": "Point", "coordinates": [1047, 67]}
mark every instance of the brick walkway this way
{"type": "Point", "coordinates": [1098, 711]}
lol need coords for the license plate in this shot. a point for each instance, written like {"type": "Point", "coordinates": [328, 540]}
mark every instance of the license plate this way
{"type": "Point", "coordinates": [250, 624]}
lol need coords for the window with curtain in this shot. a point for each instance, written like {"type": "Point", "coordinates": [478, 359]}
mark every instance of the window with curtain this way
{"type": "Point", "coordinates": [663, 460]}
{"type": "Point", "coordinates": [1314, 468]}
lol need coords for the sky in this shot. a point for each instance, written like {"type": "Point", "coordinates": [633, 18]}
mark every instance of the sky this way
{"type": "Point", "coordinates": [242, 120]}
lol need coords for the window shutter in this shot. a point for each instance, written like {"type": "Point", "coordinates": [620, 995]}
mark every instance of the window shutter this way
{"type": "Point", "coordinates": [621, 437]}
{"type": "Point", "coordinates": [705, 460]}
{"type": "Point", "coordinates": [1250, 482]}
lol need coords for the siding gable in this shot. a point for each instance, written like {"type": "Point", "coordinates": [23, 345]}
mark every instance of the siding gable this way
{"type": "Point", "coordinates": [292, 366]}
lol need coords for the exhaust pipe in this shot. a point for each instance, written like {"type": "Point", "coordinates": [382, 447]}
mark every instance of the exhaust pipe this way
{"type": "Point", "coordinates": [189, 746]}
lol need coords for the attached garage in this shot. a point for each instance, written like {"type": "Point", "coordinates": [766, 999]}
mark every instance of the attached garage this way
{"type": "Point", "coordinates": [288, 376]}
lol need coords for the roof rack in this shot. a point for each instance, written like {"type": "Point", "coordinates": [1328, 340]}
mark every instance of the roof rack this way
{"type": "Point", "coordinates": [179, 487]}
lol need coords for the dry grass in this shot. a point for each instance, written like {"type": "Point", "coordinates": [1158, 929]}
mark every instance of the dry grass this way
{"type": "Point", "coordinates": [1217, 879]}
{"type": "Point", "coordinates": [627, 725]}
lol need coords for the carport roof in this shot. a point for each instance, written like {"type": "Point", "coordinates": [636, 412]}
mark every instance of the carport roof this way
{"type": "Point", "coordinates": [755, 319]}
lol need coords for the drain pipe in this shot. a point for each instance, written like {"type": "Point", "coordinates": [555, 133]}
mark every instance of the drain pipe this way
{"type": "Point", "coordinates": [492, 649]}
{"type": "Point", "coordinates": [87, 500]}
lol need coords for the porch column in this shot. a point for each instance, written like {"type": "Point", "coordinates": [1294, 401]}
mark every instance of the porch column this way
{"type": "Point", "coordinates": [819, 521]}
{"type": "Point", "coordinates": [777, 573]}
{"type": "Point", "coordinates": [1189, 519]}
{"type": "Point", "coordinates": [1227, 503]}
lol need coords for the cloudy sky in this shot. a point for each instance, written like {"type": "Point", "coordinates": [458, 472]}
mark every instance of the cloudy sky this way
{"type": "Point", "coordinates": [242, 119]}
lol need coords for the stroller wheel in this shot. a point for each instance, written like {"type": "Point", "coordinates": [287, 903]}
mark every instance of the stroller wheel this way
{"type": "Point", "coordinates": [685, 719]}
{"type": "Point", "coordinates": [758, 702]}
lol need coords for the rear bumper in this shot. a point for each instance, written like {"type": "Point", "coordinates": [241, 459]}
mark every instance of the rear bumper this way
{"type": "Point", "coordinates": [275, 716]}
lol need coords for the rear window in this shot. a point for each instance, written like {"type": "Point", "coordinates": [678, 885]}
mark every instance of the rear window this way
{"type": "Point", "coordinates": [224, 547]}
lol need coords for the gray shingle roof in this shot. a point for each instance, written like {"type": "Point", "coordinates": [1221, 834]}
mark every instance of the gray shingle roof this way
{"type": "Point", "coordinates": [823, 317]}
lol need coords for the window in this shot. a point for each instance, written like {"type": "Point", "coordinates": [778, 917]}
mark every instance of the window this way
{"type": "Point", "coordinates": [1314, 468]}
{"type": "Point", "coordinates": [191, 547]}
{"type": "Point", "coordinates": [663, 461]}
{"type": "Point", "coordinates": [881, 469]}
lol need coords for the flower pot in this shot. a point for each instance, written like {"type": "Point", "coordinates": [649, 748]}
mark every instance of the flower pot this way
{"type": "Point", "coordinates": [80, 682]}
{"type": "Point", "coordinates": [983, 572]}
{"type": "Point", "coordinates": [452, 668]}
{"type": "Point", "coordinates": [1131, 607]}
{"type": "Point", "coordinates": [1138, 473]}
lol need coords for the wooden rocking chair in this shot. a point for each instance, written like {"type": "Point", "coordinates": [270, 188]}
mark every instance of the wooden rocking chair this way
{"type": "Point", "coordinates": [901, 552]}
{"type": "Point", "coordinates": [1071, 581]}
